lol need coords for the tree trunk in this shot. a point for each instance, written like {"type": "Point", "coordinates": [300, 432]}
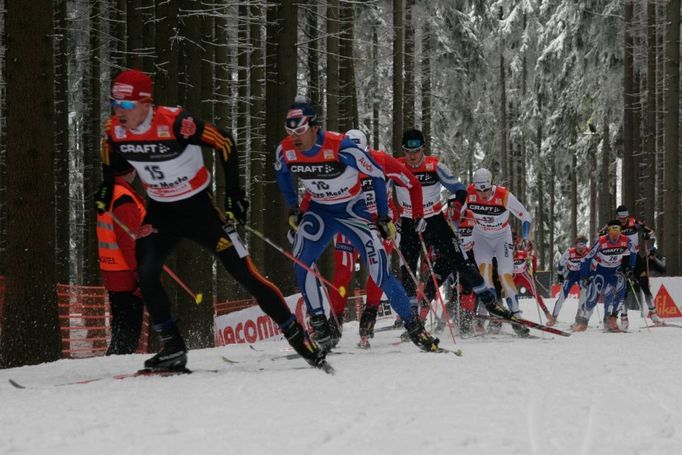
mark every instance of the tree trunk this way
{"type": "Point", "coordinates": [408, 83]}
{"type": "Point", "coordinates": [91, 159]}
{"type": "Point", "coordinates": [376, 133]}
{"type": "Point", "coordinates": [398, 54]}
{"type": "Point", "coordinates": [61, 163]}
{"type": "Point", "coordinates": [348, 106]}
{"type": "Point", "coordinates": [166, 81]}
{"type": "Point", "coordinates": [313, 33]}
{"type": "Point", "coordinates": [135, 35]}
{"type": "Point", "coordinates": [257, 113]}
{"type": "Point", "coordinates": [660, 117]}
{"type": "Point", "coordinates": [540, 223]}
{"type": "Point", "coordinates": [332, 114]}
{"type": "Point", "coordinates": [629, 178]}
{"type": "Point", "coordinates": [671, 198]}
{"type": "Point", "coordinates": [649, 190]}
{"type": "Point", "coordinates": [194, 264]}
{"type": "Point", "coordinates": [280, 92]}
{"type": "Point", "coordinates": [426, 83]}
{"type": "Point", "coordinates": [503, 179]}
{"type": "Point", "coordinates": [605, 206]}
{"type": "Point", "coordinates": [30, 332]}
{"type": "Point", "coordinates": [118, 14]}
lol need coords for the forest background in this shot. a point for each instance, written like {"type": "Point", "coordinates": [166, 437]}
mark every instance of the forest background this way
{"type": "Point", "coordinates": [572, 105]}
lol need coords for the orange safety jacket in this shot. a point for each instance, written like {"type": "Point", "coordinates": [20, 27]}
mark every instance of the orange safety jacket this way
{"type": "Point", "coordinates": [111, 258]}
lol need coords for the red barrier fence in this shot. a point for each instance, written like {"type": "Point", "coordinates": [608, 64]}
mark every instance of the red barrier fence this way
{"type": "Point", "coordinates": [85, 321]}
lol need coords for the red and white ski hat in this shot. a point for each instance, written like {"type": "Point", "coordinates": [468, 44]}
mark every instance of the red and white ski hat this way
{"type": "Point", "coordinates": [132, 85]}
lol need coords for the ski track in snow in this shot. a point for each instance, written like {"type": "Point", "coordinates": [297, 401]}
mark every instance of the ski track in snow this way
{"type": "Point", "coordinates": [592, 393]}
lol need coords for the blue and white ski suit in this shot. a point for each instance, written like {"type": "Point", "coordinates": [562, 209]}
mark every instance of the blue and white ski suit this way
{"type": "Point", "coordinates": [329, 171]}
{"type": "Point", "coordinates": [604, 264]}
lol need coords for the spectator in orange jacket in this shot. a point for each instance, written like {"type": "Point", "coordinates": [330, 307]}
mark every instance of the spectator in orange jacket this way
{"type": "Point", "coordinates": [118, 264]}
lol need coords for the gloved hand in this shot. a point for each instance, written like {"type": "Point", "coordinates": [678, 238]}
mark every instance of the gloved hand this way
{"type": "Point", "coordinates": [386, 227]}
{"type": "Point", "coordinates": [420, 225]}
{"type": "Point", "coordinates": [294, 218]}
{"type": "Point", "coordinates": [103, 197]}
{"type": "Point", "coordinates": [586, 281]}
{"type": "Point", "coordinates": [236, 206]}
{"type": "Point", "coordinates": [560, 278]}
{"type": "Point", "coordinates": [629, 274]}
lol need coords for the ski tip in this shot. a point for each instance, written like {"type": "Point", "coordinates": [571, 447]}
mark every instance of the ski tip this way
{"type": "Point", "coordinates": [16, 384]}
{"type": "Point", "coordinates": [226, 360]}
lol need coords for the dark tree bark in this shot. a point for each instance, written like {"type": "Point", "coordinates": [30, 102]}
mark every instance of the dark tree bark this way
{"type": "Point", "coordinates": [398, 58]}
{"type": "Point", "coordinates": [629, 177]}
{"type": "Point", "coordinates": [91, 160]}
{"type": "Point", "coordinates": [605, 206]}
{"type": "Point", "coordinates": [61, 162]}
{"type": "Point", "coordinates": [376, 133]}
{"type": "Point", "coordinates": [333, 88]}
{"type": "Point", "coordinates": [649, 173]}
{"type": "Point", "coordinates": [30, 332]}
{"type": "Point", "coordinates": [426, 83]}
{"type": "Point", "coordinates": [408, 83]}
{"type": "Point", "coordinates": [194, 264]}
{"type": "Point", "coordinates": [282, 20]}
{"type": "Point", "coordinates": [503, 179]}
{"type": "Point", "coordinates": [257, 114]}
{"type": "Point", "coordinates": [348, 102]}
{"type": "Point", "coordinates": [166, 91]}
{"type": "Point", "coordinates": [671, 185]}
{"type": "Point", "coordinates": [313, 36]}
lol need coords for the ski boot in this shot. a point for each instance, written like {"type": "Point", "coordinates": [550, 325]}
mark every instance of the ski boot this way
{"type": "Point", "coordinates": [655, 318]}
{"type": "Point", "coordinates": [420, 337]}
{"type": "Point", "coordinates": [321, 332]}
{"type": "Point", "coordinates": [305, 347]}
{"type": "Point", "coordinates": [612, 325]}
{"type": "Point", "coordinates": [364, 343]}
{"type": "Point", "coordinates": [173, 354]}
{"type": "Point", "coordinates": [580, 324]}
{"type": "Point", "coordinates": [367, 321]}
{"type": "Point", "coordinates": [624, 322]}
{"type": "Point", "coordinates": [551, 320]}
{"type": "Point", "coordinates": [336, 329]}
{"type": "Point", "coordinates": [520, 329]}
{"type": "Point", "coordinates": [493, 306]}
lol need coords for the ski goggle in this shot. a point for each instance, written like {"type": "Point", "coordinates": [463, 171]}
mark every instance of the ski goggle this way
{"type": "Point", "coordinates": [482, 187]}
{"type": "Point", "coordinates": [413, 145]}
{"type": "Point", "coordinates": [297, 126]}
{"type": "Point", "coordinates": [126, 105]}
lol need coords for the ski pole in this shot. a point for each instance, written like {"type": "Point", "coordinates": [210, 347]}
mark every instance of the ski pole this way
{"type": "Point", "coordinates": [294, 259]}
{"type": "Point", "coordinates": [435, 283]}
{"type": "Point", "coordinates": [639, 303]}
{"type": "Point", "coordinates": [198, 297]}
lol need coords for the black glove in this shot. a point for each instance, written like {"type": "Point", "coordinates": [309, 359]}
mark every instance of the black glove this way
{"type": "Point", "coordinates": [295, 217]}
{"type": "Point", "coordinates": [629, 274]}
{"type": "Point", "coordinates": [236, 206]}
{"type": "Point", "coordinates": [560, 278]}
{"type": "Point", "coordinates": [103, 197]}
{"type": "Point", "coordinates": [386, 227]}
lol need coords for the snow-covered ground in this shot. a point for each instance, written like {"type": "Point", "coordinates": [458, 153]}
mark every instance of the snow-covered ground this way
{"type": "Point", "coordinates": [592, 393]}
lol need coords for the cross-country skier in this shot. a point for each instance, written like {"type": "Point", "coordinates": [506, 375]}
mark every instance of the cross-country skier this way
{"type": "Point", "coordinates": [606, 267]}
{"type": "Point", "coordinates": [568, 274]}
{"type": "Point", "coordinates": [633, 228]}
{"type": "Point", "coordinates": [492, 236]}
{"type": "Point", "coordinates": [434, 228]}
{"type": "Point", "coordinates": [345, 254]}
{"type": "Point", "coordinates": [329, 165]}
{"type": "Point", "coordinates": [164, 145]}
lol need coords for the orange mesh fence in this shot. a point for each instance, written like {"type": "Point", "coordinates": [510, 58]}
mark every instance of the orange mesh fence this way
{"type": "Point", "coordinates": [85, 321]}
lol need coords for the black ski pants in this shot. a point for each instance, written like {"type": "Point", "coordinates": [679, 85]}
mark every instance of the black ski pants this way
{"type": "Point", "coordinates": [439, 235]}
{"type": "Point", "coordinates": [199, 220]}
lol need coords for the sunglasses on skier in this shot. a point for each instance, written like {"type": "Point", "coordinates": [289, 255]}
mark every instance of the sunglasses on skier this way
{"type": "Point", "coordinates": [297, 126]}
{"type": "Point", "coordinates": [126, 105]}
